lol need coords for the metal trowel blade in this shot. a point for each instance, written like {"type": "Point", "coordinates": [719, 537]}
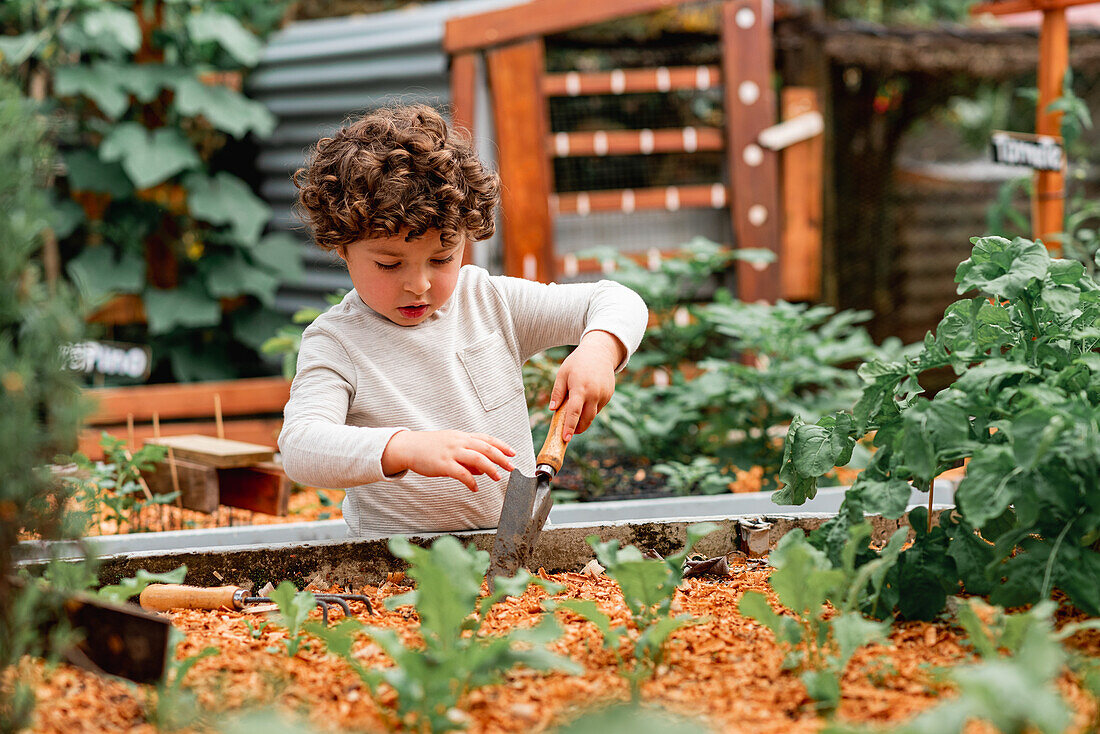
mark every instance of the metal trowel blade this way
{"type": "Point", "coordinates": [527, 503]}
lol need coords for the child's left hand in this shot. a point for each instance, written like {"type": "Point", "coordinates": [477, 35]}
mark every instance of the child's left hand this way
{"type": "Point", "coordinates": [586, 381]}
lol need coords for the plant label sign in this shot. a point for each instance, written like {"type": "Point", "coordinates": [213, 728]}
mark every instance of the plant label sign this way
{"type": "Point", "coordinates": [109, 359]}
{"type": "Point", "coordinates": [1039, 152]}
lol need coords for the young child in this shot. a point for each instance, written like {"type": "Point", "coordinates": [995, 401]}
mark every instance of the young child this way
{"type": "Point", "coordinates": [411, 387]}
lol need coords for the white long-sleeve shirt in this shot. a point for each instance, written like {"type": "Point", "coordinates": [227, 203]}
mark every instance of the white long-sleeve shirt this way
{"type": "Point", "coordinates": [362, 378]}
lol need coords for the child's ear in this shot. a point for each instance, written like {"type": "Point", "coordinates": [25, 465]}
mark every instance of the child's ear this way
{"type": "Point", "coordinates": [342, 252]}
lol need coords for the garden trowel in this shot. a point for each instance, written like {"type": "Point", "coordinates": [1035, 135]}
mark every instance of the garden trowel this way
{"type": "Point", "coordinates": [527, 502]}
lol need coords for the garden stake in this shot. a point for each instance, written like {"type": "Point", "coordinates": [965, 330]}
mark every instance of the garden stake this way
{"type": "Point", "coordinates": [527, 502]}
{"type": "Point", "coordinates": [218, 416]}
{"type": "Point", "coordinates": [162, 597]}
{"type": "Point", "coordinates": [171, 469]}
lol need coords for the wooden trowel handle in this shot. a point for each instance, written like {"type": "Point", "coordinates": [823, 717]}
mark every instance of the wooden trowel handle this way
{"type": "Point", "coordinates": [553, 448]}
{"type": "Point", "coordinates": [162, 597]}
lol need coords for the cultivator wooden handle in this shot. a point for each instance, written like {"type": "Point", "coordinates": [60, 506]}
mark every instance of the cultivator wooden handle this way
{"type": "Point", "coordinates": [162, 597]}
{"type": "Point", "coordinates": [552, 453]}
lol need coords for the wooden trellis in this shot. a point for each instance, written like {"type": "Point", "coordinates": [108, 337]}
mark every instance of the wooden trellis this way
{"type": "Point", "coordinates": [511, 40]}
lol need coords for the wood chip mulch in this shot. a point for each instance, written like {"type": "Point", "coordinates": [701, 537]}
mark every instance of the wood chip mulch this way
{"type": "Point", "coordinates": [725, 669]}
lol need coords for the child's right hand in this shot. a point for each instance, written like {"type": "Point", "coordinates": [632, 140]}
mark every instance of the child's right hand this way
{"type": "Point", "coordinates": [454, 454]}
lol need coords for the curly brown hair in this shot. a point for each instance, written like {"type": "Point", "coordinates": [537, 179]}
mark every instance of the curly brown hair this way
{"type": "Point", "coordinates": [398, 168]}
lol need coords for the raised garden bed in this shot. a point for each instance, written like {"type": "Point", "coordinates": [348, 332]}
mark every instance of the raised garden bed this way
{"type": "Point", "coordinates": [724, 669]}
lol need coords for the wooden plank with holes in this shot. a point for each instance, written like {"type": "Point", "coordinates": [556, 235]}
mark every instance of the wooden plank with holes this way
{"type": "Point", "coordinates": [635, 142]}
{"type": "Point", "coordinates": [538, 18]}
{"type": "Point", "coordinates": [250, 396]}
{"type": "Point", "coordinates": [521, 121]}
{"type": "Point", "coordinates": [750, 107]}
{"type": "Point", "coordinates": [802, 186]}
{"type": "Point", "coordinates": [631, 81]}
{"type": "Point", "coordinates": [667, 198]}
{"type": "Point", "coordinates": [222, 453]}
{"type": "Point", "coordinates": [198, 483]}
{"type": "Point", "coordinates": [260, 488]}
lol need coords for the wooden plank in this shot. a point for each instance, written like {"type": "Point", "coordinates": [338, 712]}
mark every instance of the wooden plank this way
{"type": "Point", "coordinates": [750, 107]}
{"type": "Point", "coordinates": [635, 142]}
{"type": "Point", "coordinates": [259, 431]}
{"type": "Point", "coordinates": [631, 81]}
{"type": "Point", "coordinates": [261, 488]}
{"type": "Point", "coordinates": [658, 198]}
{"type": "Point", "coordinates": [802, 187]}
{"type": "Point", "coordinates": [222, 453]}
{"type": "Point", "coordinates": [198, 483]}
{"type": "Point", "coordinates": [538, 18]}
{"type": "Point", "coordinates": [520, 115]}
{"type": "Point", "coordinates": [1010, 7]}
{"type": "Point", "coordinates": [1050, 192]}
{"type": "Point", "coordinates": [250, 396]}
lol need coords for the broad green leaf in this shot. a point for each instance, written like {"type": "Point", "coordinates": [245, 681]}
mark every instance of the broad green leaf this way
{"type": "Point", "coordinates": [986, 490]}
{"type": "Point", "coordinates": [886, 497]}
{"type": "Point", "coordinates": [822, 686]}
{"type": "Point", "coordinates": [148, 159]}
{"type": "Point", "coordinates": [98, 82]}
{"type": "Point", "coordinates": [852, 631]}
{"type": "Point", "coordinates": [145, 81]}
{"type": "Point", "coordinates": [14, 50]}
{"type": "Point", "coordinates": [281, 253]}
{"type": "Point", "coordinates": [98, 274]}
{"type": "Point", "coordinates": [129, 587]}
{"type": "Point", "coordinates": [226, 199]}
{"type": "Point", "coordinates": [1066, 272]}
{"type": "Point", "coordinates": [229, 276]}
{"type": "Point", "coordinates": [1002, 268]}
{"type": "Point", "coordinates": [67, 216]}
{"type": "Point", "coordinates": [803, 576]}
{"type": "Point", "coordinates": [107, 29]}
{"type": "Point", "coordinates": [294, 605]}
{"type": "Point", "coordinates": [227, 32]}
{"type": "Point", "coordinates": [754, 605]}
{"type": "Point", "coordinates": [87, 172]}
{"type": "Point", "coordinates": [187, 306]}
{"type": "Point", "coordinates": [816, 450]}
{"type": "Point", "coordinates": [254, 326]}
{"type": "Point", "coordinates": [226, 109]}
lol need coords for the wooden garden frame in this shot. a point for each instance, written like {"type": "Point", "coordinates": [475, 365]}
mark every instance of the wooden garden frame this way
{"type": "Point", "coordinates": [1049, 199]}
{"type": "Point", "coordinates": [511, 40]}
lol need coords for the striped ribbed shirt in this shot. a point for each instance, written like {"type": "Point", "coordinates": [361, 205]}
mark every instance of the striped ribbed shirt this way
{"type": "Point", "coordinates": [361, 378]}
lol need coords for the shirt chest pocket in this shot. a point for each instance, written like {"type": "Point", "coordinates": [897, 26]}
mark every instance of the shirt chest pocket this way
{"type": "Point", "coordinates": [492, 370]}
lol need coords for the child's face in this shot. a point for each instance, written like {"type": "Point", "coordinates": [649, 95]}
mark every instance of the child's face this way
{"type": "Point", "coordinates": [404, 281]}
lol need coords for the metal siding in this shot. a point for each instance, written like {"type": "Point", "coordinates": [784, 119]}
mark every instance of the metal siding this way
{"type": "Point", "coordinates": [316, 74]}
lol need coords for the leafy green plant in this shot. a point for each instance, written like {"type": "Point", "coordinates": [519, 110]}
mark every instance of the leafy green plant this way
{"type": "Point", "coordinates": [455, 657]}
{"type": "Point", "coordinates": [1013, 686]}
{"type": "Point", "coordinates": [256, 632]}
{"type": "Point", "coordinates": [1025, 412]}
{"type": "Point", "coordinates": [40, 407]}
{"type": "Point", "coordinates": [698, 477]}
{"type": "Point", "coordinates": [294, 609]}
{"type": "Point", "coordinates": [819, 646]}
{"type": "Point", "coordinates": [648, 586]}
{"type": "Point", "coordinates": [112, 489]}
{"type": "Point", "coordinates": [148, 121]}
{"type": "Point", "coordinates": [169, 706]}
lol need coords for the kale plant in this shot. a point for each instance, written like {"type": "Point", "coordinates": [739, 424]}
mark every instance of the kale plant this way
{"type": "Point", "coordinates": [431, 679]}
{"type": "Point", "coordinates": [1025, 413]}
{"type": "Point", "coordinates": [818, 645]}
{"type": "Point", "coordinates": [648, 585]}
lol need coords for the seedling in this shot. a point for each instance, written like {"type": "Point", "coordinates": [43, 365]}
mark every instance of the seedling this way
{"type": "Point", "coordinates": [294, 609]}
{"type": "Point", "coordinates": [455, 658]}
{"type": "Point", "coordinates": [169, 706]}
{"type": "Point", "coordinates": [804, 579]}
{"type": "Point", "coordinates": [112, 489]}
{"type": "Point", "coordinates": [648, 586]}
{"type": "Point", "coordinates": [128, 588]}
{"type": "Point", "coordinates": [257, 631]}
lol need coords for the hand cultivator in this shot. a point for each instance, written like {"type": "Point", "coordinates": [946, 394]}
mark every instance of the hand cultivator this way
{"type": "Point", "coordinates": [162, 597]}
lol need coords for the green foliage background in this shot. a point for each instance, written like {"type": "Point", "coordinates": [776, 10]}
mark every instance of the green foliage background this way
{"type": "Point", "coordinates": [147, 138]}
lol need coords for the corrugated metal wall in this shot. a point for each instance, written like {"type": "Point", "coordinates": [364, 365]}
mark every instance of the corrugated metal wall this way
{"type": "Point", "coordinates": [315, 74]}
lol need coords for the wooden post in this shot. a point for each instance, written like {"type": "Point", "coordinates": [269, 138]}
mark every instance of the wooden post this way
{"type": "Point", "coordinates": [1050, 191]}
{"type": "Point", "coordinates": [750, 107]}
{"type": "Point", "coordinates": [802, 187]}
{"type": "Point", "coordinates": [463, 109]}
{"type": "Point", "coordinates": [520, 116]}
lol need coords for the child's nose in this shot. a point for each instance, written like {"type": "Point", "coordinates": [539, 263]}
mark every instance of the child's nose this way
{"type": "Point", "coordinates": [418, 283]}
